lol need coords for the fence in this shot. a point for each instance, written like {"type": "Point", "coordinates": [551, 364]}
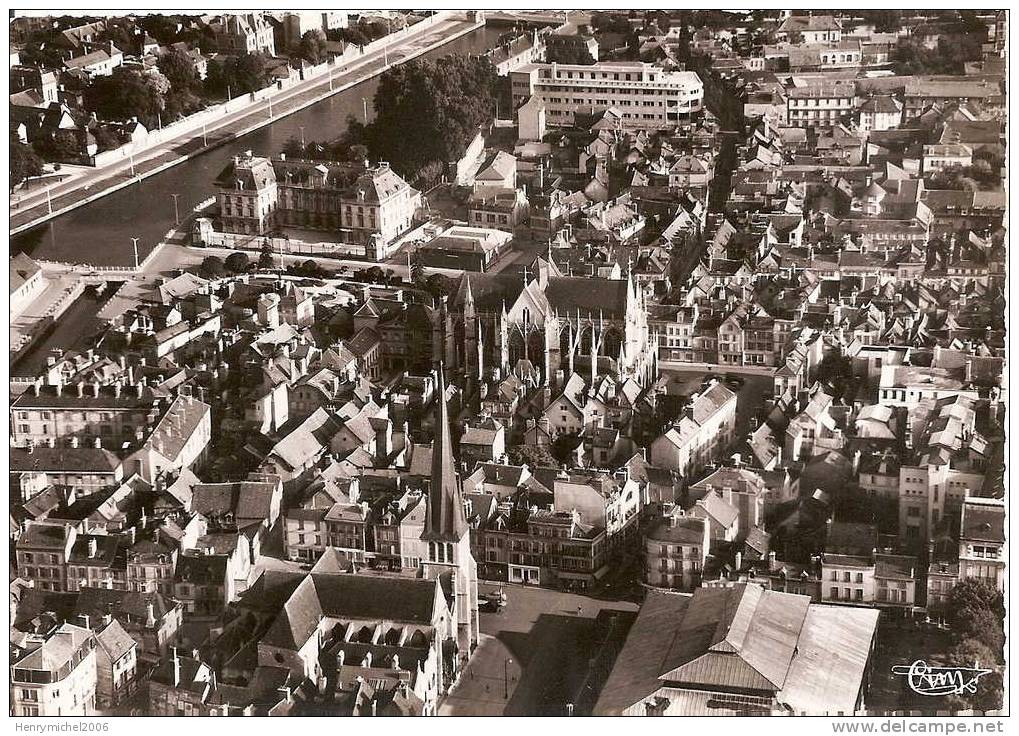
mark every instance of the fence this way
{"type": "Point", "coordinates": [285, 246]}
{"type": "Point", "coordinates": [92, 268]}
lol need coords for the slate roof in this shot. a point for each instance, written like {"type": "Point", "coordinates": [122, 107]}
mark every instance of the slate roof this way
{"type": "Point", "coordinates": [362, 597]}
{"type": "Point", "coordinates": [253, 172]}
{"type": "Point", "coordinates": [682, 530]}
{"type": "Point", "coordinates": [125, 605]}
{"type": "Point", "coordinates": [57, 650]}
{"type": "Point", "coordinates": [21, 267]}
{"type": "Point", "coordinates": [248, 500]}
{"type": "Point", "coordinates": [115, 641]}
{"type": "Point", "coordinates": [63, 459]}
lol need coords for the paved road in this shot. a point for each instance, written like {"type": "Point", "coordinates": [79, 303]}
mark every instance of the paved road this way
{"type": "Point", "coordinates": [70, 193]}
{"type": "Point", "coordinates": [535, 620]}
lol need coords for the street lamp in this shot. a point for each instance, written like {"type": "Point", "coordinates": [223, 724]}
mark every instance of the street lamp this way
{"type": "Point", "coordinates": [302, 135]}
{"type": "Point", "coordinates": [134, 242]}
{"type": "Point", "coordinates": [131, 154]}
{"type": "Point", "coordinates": [176, 215]}
{"type": "Point", "coordinates": [49, 202]}
{"type": "Point", "coordinates": [205, 141]}
{"type": "Point", "coordinates": [505, 672]}
{"type": "Point", "coordinates": [364, 102]}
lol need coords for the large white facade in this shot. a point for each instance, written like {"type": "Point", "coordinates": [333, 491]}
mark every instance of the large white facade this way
{"type": "Point", "coordinates": [645, 95]}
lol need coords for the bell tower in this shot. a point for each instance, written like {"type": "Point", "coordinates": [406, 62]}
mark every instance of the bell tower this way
{"type": "Point", "coordinates": [446, 530]}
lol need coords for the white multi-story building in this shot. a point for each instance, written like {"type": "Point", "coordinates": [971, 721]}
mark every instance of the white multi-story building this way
{"type": "Point", "coordinates": [821, 105]}
{"type": "Point", "coordinates": [55, 675]}
{"type": "Point", "coordinates": [700, 435]}
{"type": "Point", "coordinates": [646, 95]}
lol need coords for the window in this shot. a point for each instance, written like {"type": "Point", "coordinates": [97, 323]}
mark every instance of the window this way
{"type": "Point", "coordinates": [834, 594]}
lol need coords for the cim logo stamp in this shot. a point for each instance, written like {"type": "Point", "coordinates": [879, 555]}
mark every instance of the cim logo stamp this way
{"type": "Point", "coordinates": [924, 679]}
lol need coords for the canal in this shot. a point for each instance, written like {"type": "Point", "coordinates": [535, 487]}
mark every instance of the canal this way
{"type": "Point", "coordinates": [100, 232]}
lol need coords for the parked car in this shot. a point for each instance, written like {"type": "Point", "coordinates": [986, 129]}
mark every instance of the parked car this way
{"type": "Point", "coordinates": [493, 600]}
{"type": "Point", "coordinates": [734, 381]}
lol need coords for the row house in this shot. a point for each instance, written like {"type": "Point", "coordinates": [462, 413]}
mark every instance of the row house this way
{"type": "Point", "coordinates": [701, 435]}
{"type": "Point", "coordinates": [84, 470]}
{"type": "Point", "coordinates": [884, 580]}
{"type": "Point", "coordinates": [542, 546]}
{"type": "Point", "coordinates": [821, 105]}
{"type": "Point", "coordinates": [109, 415]}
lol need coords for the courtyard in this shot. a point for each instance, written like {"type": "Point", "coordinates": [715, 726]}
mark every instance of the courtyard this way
{"type": "Point", "coordinates": [539, 654]}
{"type": "Point", "coordinates": [750, 396]}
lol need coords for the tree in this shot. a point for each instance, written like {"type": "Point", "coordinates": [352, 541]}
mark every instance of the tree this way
{"type": "Point", "coordinates": [250, 72]}
{"type": "Point", "coordinates": [313, 46]}
{"type": "Point", "coordinates": [212, 267]}
{"type": "Point", "coordinates": [24, 162]}
{"type": "Point", "coordinates": [237, 75]}
{"type": "Point", "coordinates": [989, 690]}
{"type": "Point", "coordinates": [427, 112]}
{"type": "Point", "coordinates": [570, 54]}
{"type": "Point", "coordinates": [982, 625]}
{"type": "Point", "coordinates": [312, 269]}
{"type": "Point", "coordinates": [293, 148]}
{"type": "Point", "coordinates": [417, 272]}
{"type": "Point", "coordinates": [237, 262]}
{"type": "Point", "coordinates": [533, 456]}
{"type": "Point", "coordinates": [126, 94]}
{"type": "Point", "coordinates": [179, 70]}
{"type": "Point", "coordinates": [885, 21]}
{"type": "Point", "coordinates": [106, 138]}
{"type": "Point", "coordinates": [973, 594]}
{"type": "Point", "coordinates": [265, 259]}
{"type": "Point", "coordinates": [61, 146]}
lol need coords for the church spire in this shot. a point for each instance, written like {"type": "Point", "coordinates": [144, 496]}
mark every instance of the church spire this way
{"type": "Point", "coordinates": [468, 298]}
{"type": "Point", "coordinates": [444, 518]}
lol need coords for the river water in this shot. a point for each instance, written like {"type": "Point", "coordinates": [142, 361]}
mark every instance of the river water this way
{"type": "Point", "coordinates": [101, 231]}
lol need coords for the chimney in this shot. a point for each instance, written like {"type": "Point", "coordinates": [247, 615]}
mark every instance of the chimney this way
{"type": "Point", "coordinates": [150, 620]}
{"type": "Point", "coordinates": [739, 561]}
{"type": "Point", "coordinates": [93, 548]}
{"type": "Point", "coordinates": [771, 561]}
